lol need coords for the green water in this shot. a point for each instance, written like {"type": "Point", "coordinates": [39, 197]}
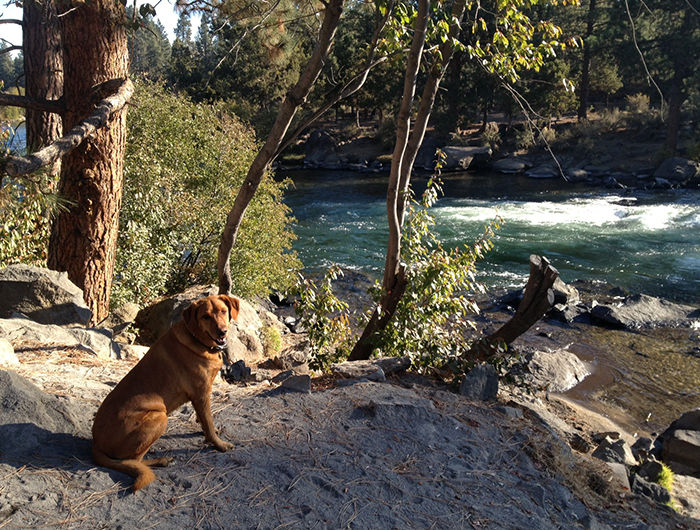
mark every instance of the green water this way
{"type": "Point", "coordinates": [641, 241]}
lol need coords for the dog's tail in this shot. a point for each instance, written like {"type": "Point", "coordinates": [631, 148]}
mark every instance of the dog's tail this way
{"type": "Point", "coordinates": [136, 468]}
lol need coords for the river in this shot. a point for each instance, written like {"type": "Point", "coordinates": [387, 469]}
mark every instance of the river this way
{"type": "Point", "coordinates": [641, 241]}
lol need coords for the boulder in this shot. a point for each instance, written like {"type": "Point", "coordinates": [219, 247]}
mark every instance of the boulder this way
{"type": "Point", "coordinates": [654, 491]}
{"type": "Point", "coordinates": [45, 296]}
{"type": "Point", "coordinates": [298, 383]}
{"type": "Point", "coordinates": [643, 311]}
{"type": "Point", "coordinates": [577, 174]}
{"type": "Point", "coordinates": [8, 357]}
{"type": "Point", "coordinates": [480, 384]}
{"type": "Point", "coordinates": [545, 171]}
{"type": "Point", "coordinates": [373, 370]}
{"type": "Point", "coordinates": [460, 158]}
{"type": "Point", "coordinates": [509, 165]}
{"type": "Point", "coordinates": [680, 444]}
{"type": "Point", "coordinates": [677, 169]}
{"type": "Point", "coordinates": [564, 294]}
{"type": "Point", "coordinates": [616, 451]}
{"type": "Point", "coordinates": [30, 415]}
{"type": "Point", "coordinates": [556, 371]}
{"type": "Point", "coordinates": [96, 341]}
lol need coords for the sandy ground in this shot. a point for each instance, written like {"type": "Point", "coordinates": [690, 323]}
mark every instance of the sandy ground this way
{"type": "Point", "coordinates": [401, 454]}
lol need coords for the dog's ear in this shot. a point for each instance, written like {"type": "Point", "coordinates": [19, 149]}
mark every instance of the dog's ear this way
{"type": "Point", "coordinates": [234, 305]}
{"type": "Point", "coordinates": [189, 317]}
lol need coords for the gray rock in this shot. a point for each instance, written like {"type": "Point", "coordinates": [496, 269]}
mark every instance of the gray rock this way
{"type": "Point", "coordinates": [556, 371]}
{"type": "Point", "coordinates": [481, 383]}
{"type": "Point", "coordinates": [620, 474]}
{"type": "Point", "coordinates": [615, 451]}
{"type": "Point", "coordinates": [30, 415]}
{"type": "Point", "coordinates": [677, 169]}
{"type": "Point", "coordinates": [95, 341]}
{"type": "Point", "coordinates": [545, 171]}
{"type": "Point", "coordinates": [579, 443]}
{"type": "Point", "coordinates": [7, 353]}
{"type": "Point", "coordinates": [297, 383]}
{"type": "Point", "coordinates": [642, 447]}
{"type": "Point", "coordinates": [565, 294]}
{"type": "Point", "coordinates": [650, 470]}
{"type": "Point", "coordinates": [45, 296]}
{"type": "Point", "coordinates": [460, 158]}
{"type": "Point", "coordinates": [512, 413]}
{"type": "Point", "coordinates": [509, 165]}
{"type": "Point", "coordinates": [577, 174]}
{"type": "Point", "coordinates": [649, 489]}
{"type": "Point", "coordinates": [373, 369]}
{"type": "Point", "coordinates": [681, 451]}
{"type": "Point", "coordinates": [643, 311]}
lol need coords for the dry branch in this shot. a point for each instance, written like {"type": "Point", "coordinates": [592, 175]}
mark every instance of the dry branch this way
{"type": "Point", "coordinates": [24, 102]}
{"type": "Point", "coordinates": [17, 166]}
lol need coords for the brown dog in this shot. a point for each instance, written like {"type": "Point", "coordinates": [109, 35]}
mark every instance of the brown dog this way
{"type": "Point", "coordinates": [179, 367]}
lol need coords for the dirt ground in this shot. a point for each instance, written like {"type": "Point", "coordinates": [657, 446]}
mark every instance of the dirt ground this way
{"type": "Point", "coordinates": [407, 453]}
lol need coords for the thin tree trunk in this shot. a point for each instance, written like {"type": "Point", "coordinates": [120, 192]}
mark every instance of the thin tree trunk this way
{"type": "Point", "coordinates": [394, 282]}
{"type": "Point", "coordinates": [584, 89]}
{"type": "Point", "coordinates": [43, 72]}
{"type": "Point", "coordinates": [294, 99]}
{"type": "Point", "coordinates": [84, 237]}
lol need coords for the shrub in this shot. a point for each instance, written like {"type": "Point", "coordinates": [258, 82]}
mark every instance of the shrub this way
{"type": "Point", "coordinates": [271, 340]}
{"type": "Point", "coordinates": [184, 165]}
{"type": "Point", "coordinates": [325, 318]}
{"type": "Point", "coordinates": [525, 138]}
{"type": "Point", "coordinates": [637, 103]}
{"type": "Point", "coordinates": [491, 135]}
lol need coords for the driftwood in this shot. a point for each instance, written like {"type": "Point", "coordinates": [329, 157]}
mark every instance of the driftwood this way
{"type": "Point", "coordinates": [16, 165]}
{"type": "Point", "coordinates": [537, 300]}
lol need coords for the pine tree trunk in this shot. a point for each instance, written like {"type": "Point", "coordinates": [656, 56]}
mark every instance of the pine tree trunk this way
{"type": "Point", "coordinates": [84, 237]}
{"type": "Point", "coordinates": [584, 89]}
{"type": "Point", "coordinates": [43, 72]}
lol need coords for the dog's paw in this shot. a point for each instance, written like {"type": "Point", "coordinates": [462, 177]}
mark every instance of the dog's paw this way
{"type": "Point", "coordinates": [222, 446]}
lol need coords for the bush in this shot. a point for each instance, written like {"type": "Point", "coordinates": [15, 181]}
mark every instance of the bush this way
{"type": "Point", "coordinates": [491, 135]}
{"type": "Point", "coordinates": [637, 103]}
{"type": "Point", "coordinates": [184, 165]}
{"type": "Point", "coordinates": [325, 319]}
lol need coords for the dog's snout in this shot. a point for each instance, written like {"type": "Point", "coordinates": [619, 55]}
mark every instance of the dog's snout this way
{"type": "Point", "coordinates": [221, 332]}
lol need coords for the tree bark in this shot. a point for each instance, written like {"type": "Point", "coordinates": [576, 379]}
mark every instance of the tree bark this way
{"type": "Point", "coordinates": [584, 89]}
{"type": "Point", "coordinates": [394, 282]}
{"type": "Point", "coordinates": [43, 73]}
{"type": "Point", "coordinates": [294, 99]}
{"type": "Point", "coordinates": [84, 237]}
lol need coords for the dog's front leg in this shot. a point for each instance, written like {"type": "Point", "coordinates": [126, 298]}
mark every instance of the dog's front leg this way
{"type": "Point", "coordinates": [203, 409]}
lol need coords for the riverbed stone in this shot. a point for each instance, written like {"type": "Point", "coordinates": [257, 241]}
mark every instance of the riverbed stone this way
{"type": "Point", "coordinates": [544, 171]}
{"type": "Point", "coordinates": [656, 492]}
{"type": "Point", "coordinates": [677, 169]}
{"type": "Point", "coordinates": [45, 296]}
{"type": "Point", "coordinates": [555, 371]}
{"type": "Point", "coordinates": [460, 158]}
{"type": "Point", "coordinates": [644, 311]}
{"type": "Point", "coordinates": [510, 165]}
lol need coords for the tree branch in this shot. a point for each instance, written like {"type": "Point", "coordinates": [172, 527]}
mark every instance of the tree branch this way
{"type": "Point", "coordinates": [17, 166]}
{"type": "Point", "coordinates": [11, 21]}
{"type": "Point", "coordinates": [42, 105]}
{"type": "Point", "coordinates": [10, 49]}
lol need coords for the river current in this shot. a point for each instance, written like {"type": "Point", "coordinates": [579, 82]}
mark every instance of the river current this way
{"type": "Point", "coordinates": [641, 241]}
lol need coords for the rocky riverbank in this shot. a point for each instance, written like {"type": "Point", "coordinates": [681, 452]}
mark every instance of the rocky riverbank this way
{"type": "Point", "coordinates": [620, 158]}
{"type": "Point", "coordinates": [349, 448]}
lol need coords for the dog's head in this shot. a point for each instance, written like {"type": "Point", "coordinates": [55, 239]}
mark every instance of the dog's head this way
{"type": "Point", "coordinates": [208, 319]}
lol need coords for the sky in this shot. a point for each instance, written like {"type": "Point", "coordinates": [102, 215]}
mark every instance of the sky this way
{"type": "Point", "coordinates": [165, 12]}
